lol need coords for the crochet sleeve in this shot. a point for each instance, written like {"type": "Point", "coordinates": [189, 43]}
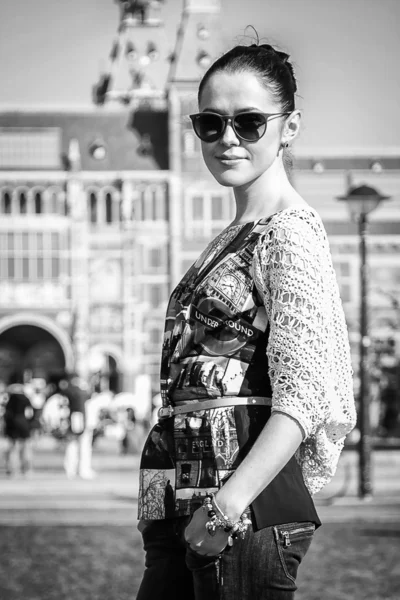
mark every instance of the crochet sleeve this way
{"type": "Point", "coordinates": [289, 274]}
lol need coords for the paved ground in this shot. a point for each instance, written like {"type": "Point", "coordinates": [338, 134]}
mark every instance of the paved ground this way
{"type": "Point", "coordinates": [48, 497]}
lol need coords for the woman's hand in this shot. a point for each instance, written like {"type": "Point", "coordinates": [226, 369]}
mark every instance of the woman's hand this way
{"type": "Point", "coordinates": [198, 538]}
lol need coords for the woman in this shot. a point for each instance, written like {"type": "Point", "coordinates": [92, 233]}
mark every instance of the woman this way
{"type": "Point", "coordinates": [18, 420]}
{"type": "Point", "coordinates": [256, 376]}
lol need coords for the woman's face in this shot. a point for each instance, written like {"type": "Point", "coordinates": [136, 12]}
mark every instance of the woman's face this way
{"type": "Point", "coordinates": [232, 161]}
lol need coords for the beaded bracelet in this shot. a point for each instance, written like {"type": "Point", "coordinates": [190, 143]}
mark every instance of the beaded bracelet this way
{"type": "Point", "coordinates": [220, 521]}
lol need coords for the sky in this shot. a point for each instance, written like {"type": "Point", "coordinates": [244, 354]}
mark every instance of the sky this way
{"type": "Point", "coordinates": [345, 54]}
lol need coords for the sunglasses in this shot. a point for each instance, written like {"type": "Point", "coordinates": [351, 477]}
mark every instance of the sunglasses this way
{"type": "Point", "coordinates": [248, 126]}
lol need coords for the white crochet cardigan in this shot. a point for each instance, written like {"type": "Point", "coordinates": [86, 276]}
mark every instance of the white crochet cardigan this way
{"type": "Point", "coordinates": [308, 349]}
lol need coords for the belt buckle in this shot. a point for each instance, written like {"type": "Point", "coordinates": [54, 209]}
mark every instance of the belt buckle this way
{"type": "Point", "coordinates": [165, 412]}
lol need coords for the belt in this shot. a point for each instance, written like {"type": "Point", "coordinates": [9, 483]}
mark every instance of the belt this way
{"type": "Point", "coordinates": [193, 405]}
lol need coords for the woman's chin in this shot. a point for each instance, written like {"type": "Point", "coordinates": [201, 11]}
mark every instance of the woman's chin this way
{"type": "Point", "coordinates": [231, 178]}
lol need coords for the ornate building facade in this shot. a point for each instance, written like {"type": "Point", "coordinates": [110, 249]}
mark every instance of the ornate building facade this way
{"type": "Point", "coordinates": [102, 211]}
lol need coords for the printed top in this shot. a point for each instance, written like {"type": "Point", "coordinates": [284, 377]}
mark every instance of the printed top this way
{"type": "Point", "coordinates": [258, 314]}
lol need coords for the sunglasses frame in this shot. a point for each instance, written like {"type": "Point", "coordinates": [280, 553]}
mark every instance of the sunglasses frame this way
{"type": "Point", "coordinates": [230, 119]}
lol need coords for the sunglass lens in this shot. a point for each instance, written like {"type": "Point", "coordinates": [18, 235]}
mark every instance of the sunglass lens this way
{"type": "Point", "coordinates": [208, 127]}
{"type": "Point", "coordinates": [250, 126]}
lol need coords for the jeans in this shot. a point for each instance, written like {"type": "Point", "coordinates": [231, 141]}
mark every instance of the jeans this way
{"type": "Point", "coordinates": [262, 566]}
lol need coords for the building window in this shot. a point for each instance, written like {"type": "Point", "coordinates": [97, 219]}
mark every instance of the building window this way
{"type": "Point", "coordinates": [93, 207]}
{"type": "Point", "coordinates": [342, 269]}
{"type": "Point", "coordinates": [155, 335]}
{"type": "Point", "coordinates": [155, 295]}
{"type": "Point", "coordinates": [6, 202]}
{"type": "Point", "coordinates": [23, 203]}
{"type": "Point", "coordinates": [10, 242]}
{"type": "Point", "coordinates": [386, 276]}
{"type": "Point", "coordinates": [52, 204]}
{"type": "Point", "coordinates": [142, 203]}
{"type": "Point", "coordinates": [109, 208]}
{"type": "Point", "coordinates": [152, 203]}
{"type": "Point", "coordinates": [38, 203]}
{"type": "Point", "coordinates": [345, 293]}
{"type": "Point", "coordinates": [159, 213]}
{"type": "Point", "coordinates": [198, 208]}
{"type": "Point", "coordinates": [217, 208]}
{"type": "Point", "coordinates": [102, 208]}
{"type": "Point", "coordinates": [156, 258]}
{"type": "Point", "coordinates": [55, 267]}
{"type": "Point", "coordinates": [207, 214]}
{"type": "Point", "coordinates": [155, 204]}
{"type": "Point", "coordinates": [30, 148]}
{"type": "Point", "coordinates": [35, 201]}
{"type": "Point", "coordinates": [11, 270]}
{"type": "Point", "coordinates": [30, 255]}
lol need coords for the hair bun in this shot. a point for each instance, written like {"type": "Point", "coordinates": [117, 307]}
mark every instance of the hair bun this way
{"type": "Point", "coordinates": [268, 48]}
{"type": "Point", "coordinates": [283, 56]}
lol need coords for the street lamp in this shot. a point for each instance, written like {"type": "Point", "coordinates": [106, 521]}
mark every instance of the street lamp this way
{"type": "Point", "coordinates": [361, 201]}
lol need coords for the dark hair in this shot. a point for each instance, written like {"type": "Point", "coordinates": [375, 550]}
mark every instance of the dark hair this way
{"type": "Point", "coordinates": [271, 66]}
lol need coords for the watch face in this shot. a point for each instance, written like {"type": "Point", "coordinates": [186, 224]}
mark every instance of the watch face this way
{"type": "Point", "coordinates": [230, 287]}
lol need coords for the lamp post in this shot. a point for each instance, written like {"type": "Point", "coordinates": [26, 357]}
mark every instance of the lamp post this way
{"type": "Point", "coordinates": [361, 201]}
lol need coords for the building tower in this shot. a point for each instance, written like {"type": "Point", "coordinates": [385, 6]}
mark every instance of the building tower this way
{"type": "Point", "coordinates": [138, 63]}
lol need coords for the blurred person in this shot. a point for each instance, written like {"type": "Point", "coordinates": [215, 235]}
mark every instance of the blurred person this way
{"type": "Point", "coordinates": [95, 406]}
{"type": "Point", "coordinates": [3, 402]}
{"type": "Point", "coordinates": [35, 391]}
{"type": "Point", "coordinates": [256, 377]}
{"type": "Point", "coordinates": [18, 418]}
{"type": "Point", "coordinates": [128, 442]}
{"type": "Point", "coordinates": [132, 414]}
{"type": "Point", "coordinates": [64, 415]}
{"type": "Point", "coordinates": [54, 417]}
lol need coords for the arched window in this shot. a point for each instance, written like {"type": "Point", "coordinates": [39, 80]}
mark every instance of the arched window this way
{"type": "Point", "coordinates": [148, 199]}
{"type": "Point", "coordinates": [154, 205]}
{"type": "Point", "coordinates": [6, 203]}
{"type": "Point", "coordinates": [38, 203]}
{"type": "Point", "coordinates": [142, 196]}
{"type": "Point", "coordinates": [23, 203]}
{"type": "Point", "coordinates": [52, 202]}
{"type": "Point", "coordinates": [109, 208]}
{"type": "Point", "coordinates": [161, 212]}
{"type": "Point", "coordinates": [93, 207]}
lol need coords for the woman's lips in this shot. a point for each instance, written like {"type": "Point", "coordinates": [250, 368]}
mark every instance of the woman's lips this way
{"type": "Point", "coordinates": [230, 160]}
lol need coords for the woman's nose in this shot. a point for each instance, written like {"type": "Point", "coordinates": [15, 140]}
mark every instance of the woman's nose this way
{"type": "Point", "coordinates": [229, 137]}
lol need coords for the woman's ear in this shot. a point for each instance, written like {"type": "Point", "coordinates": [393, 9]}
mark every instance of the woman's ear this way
{"type": "Point", "coordinates": [291, 128]}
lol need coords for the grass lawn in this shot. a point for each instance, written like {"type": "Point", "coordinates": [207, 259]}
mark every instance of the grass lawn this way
{"type": "Point", "coordinates": [346, 561]}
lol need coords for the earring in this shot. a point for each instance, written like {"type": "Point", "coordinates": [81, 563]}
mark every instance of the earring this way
{"type": "Point", "coordinates": [285, 145]}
